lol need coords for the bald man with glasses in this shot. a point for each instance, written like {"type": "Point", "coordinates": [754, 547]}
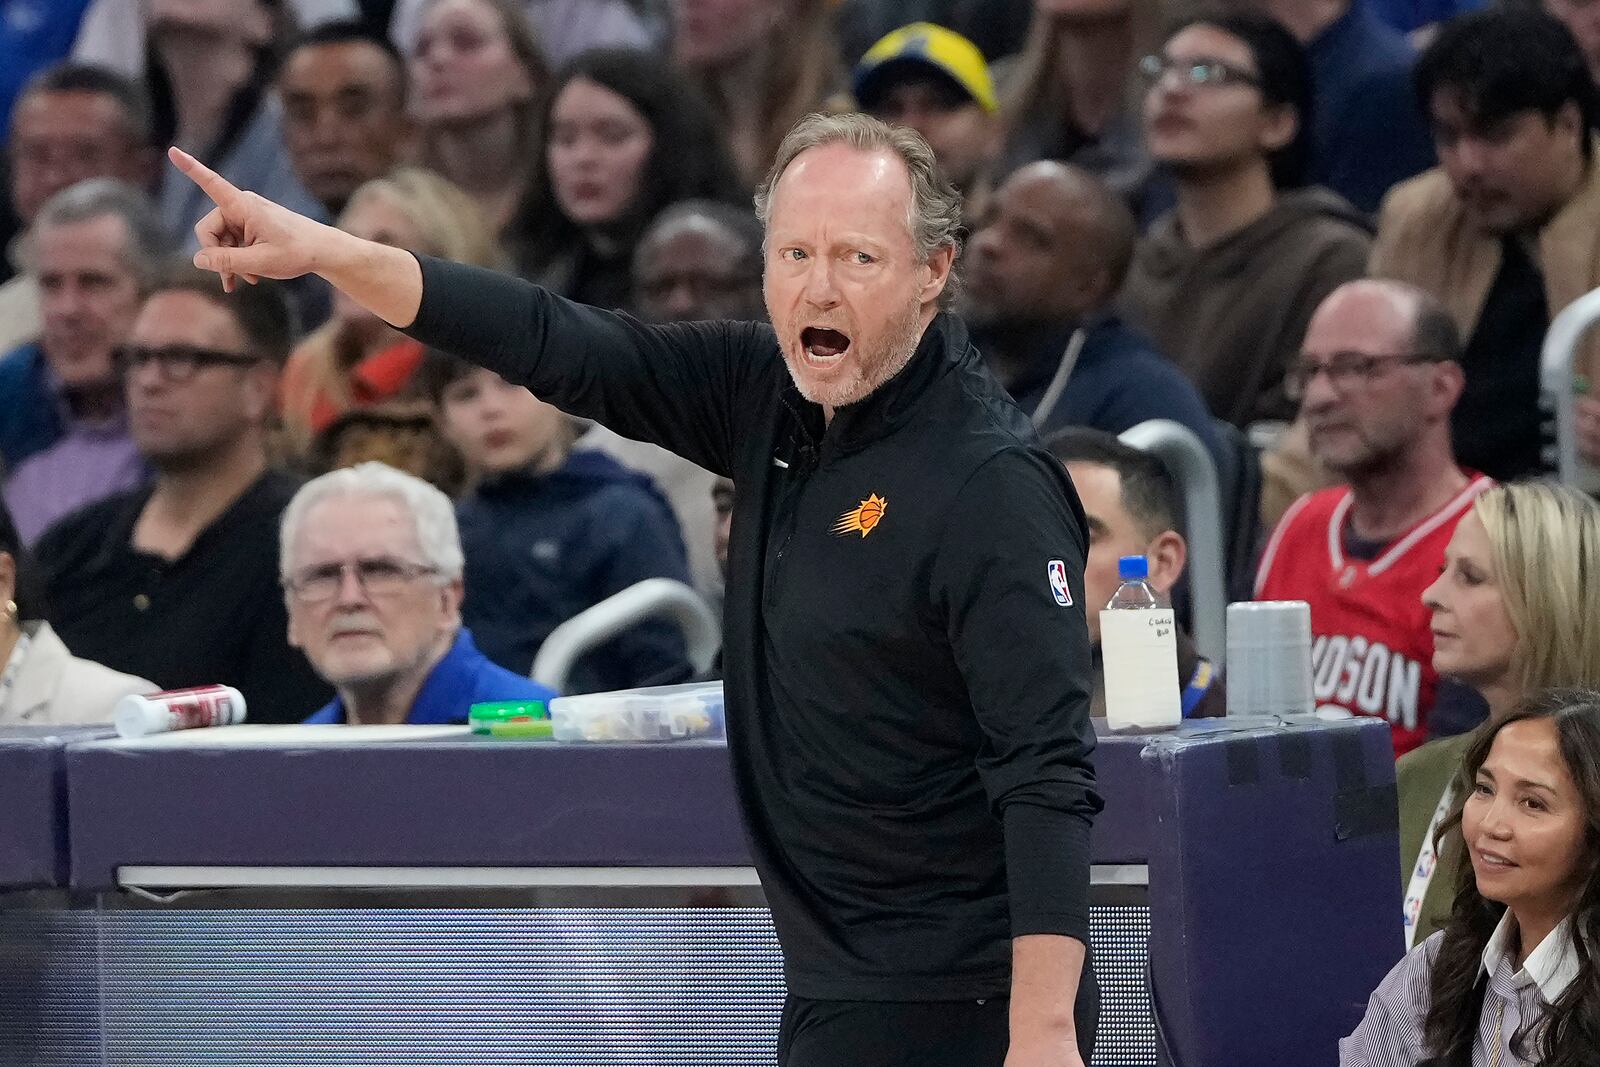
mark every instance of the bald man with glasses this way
{"type": "Point", "coordinates": [1377, 378]}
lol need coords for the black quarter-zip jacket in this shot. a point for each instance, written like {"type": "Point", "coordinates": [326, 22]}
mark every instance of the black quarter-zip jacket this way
{"type": "Point", "coordinates": [907, 666]}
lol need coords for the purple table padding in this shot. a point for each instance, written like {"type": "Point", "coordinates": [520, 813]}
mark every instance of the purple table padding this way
{"type": "Point", "coordinates": [467, 802]}
{"type": "Point", "coordinates": [33, 808]}
{"type": "Point", "coordinates": [1274, 889]}
{"type": "Point", "coordinates": [1122, 830]}
{"type": "Point", "coordinates": [451, 802]}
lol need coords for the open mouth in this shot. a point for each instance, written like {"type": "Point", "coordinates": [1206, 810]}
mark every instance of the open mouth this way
{"type": "Point", "coordinates": [823, 345]}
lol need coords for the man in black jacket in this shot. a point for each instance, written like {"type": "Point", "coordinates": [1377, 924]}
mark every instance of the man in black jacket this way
{"type": "Point", "coordinates": [906, 658]}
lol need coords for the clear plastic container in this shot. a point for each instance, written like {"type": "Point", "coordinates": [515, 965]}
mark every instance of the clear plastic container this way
{"type": "Point", "coordinates": [691, 712]}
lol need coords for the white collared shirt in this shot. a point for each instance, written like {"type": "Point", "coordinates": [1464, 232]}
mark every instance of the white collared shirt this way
{"type": "Point", "coordinates": [1391, 1033]}
{"type": "Point", "coordinates": [1552, 965]}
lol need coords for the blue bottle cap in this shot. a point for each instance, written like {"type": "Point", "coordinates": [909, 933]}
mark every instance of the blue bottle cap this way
{"type": "Point", "coordinates": [1131, 567]}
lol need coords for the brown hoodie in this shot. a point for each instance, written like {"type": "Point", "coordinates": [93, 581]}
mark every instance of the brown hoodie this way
{"type": "Point", "coordinates": [1232, 315]}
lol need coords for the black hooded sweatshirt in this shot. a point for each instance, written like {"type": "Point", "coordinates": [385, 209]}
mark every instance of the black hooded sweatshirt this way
{"type": "Point", "coordinates": [907, 666]}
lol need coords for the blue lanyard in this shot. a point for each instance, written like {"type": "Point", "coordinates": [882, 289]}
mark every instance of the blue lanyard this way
{"type": "Point", "coordinates": [1199, 685]}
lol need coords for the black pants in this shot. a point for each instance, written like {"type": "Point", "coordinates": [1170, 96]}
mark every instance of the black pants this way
{"type": "Point", "coordinates": [963, 1033]}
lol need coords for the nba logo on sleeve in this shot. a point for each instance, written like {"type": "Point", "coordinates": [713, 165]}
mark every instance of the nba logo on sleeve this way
{"type": "Point", "coordinates": [1058, 583]}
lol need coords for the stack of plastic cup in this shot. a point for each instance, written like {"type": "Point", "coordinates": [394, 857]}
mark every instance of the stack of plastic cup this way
{"type": "Point", "coordinates": [1269, 658]}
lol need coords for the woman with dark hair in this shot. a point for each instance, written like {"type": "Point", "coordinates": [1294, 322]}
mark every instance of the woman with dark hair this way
{"type": "Point", "coordinates": [1512, 978]}
{"type": "Point", "coordinates": [1226, 282]}
{"type": "Point", "coordinates": [41, 683]}
{"type": "Point", "coordinates": [626, 136]}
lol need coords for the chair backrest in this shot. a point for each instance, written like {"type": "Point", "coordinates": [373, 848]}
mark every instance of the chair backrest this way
{"type": "Point", "coordinates": [598, 624]}
{"type": "Point", "coordinates": [1559, 385]}
{"type": "Point", "coordinates": [1239, 476]}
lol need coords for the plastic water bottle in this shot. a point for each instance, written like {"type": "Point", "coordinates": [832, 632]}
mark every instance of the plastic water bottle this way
{"type": "Point", "coordinates": [1134, 594]}
{"type": "Point", "coordinates": [1139, 654]}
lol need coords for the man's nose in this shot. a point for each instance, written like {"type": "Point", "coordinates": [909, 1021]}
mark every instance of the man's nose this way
{"type": "Point", "coordinates": [1469, 155]}
{"type": "Point", "coordinates": [326, 127]}
{"type": "Point", "coordinates": [351, 594]}
{"type": "Point", "coordinates": [680, 302]}
{"type": "Point", "coordinates": [915, 117]}
{"type": "Point", "coordinates": [64, 299]}
{"type": "Point", "coordinates": [146, 378]}
{"type": "Point", "coordinates": [986, 243]}
{"type": "Point", "coordinates": [1317, 393]}
{"type": "Point", "coordinates": [821, 291]}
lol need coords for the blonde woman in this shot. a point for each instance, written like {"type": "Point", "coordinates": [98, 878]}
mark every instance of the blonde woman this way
{"type": "Point", "coordinates": [1512, 614]}
{"type": "Point", "coordinates": [1075, 93]}
{"type": "Point", "coordinates": [762, 65]}
{"type": "Point", "coordinates": [478, 78]}
{"type": "Point", "coordinates": [356, 359]}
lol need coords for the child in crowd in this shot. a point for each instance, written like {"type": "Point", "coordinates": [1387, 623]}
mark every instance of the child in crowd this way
{"type": "Point", "coordinates": [549, 531]}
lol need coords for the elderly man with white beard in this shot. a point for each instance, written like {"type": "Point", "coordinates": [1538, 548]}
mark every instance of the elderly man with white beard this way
{"type": "Point", "coordinates": [906, 659]}
{"type": "Point", "coordinates": [370, 561]}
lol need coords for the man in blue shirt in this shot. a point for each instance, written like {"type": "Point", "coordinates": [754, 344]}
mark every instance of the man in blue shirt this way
{"type": "Point", "coordinates": [371, 567]}
{"type": "Point", "coordinates": [1041, 274]}
{"type": "Point", "coordinates": [1367, 131]}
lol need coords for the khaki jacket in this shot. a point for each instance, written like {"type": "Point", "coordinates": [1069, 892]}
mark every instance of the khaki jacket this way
{"type": "Point", "coordinates": [1426, 238]}
{"type": "Point", "coordinates": [1421, 777]}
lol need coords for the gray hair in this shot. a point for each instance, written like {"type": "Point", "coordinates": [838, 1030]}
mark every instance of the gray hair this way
{"type": "Point", "coordinates": [148, 245]}
{"type": "Point", "coordinates": [736, 222]}
{"type": "Point", "coordinates": [935, 211]}
{"type": "Point", "coordinates": [431, 511]}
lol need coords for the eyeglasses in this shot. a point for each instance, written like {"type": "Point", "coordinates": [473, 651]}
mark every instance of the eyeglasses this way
{"type": "Point", "coordinates": [378, 577]}
{"type": "Point", "coordinates": [1346, 370]}
{"type": "Point", "coordinates": [178, 363]}
{"type": "Point", "coordinates": [1198, 73]}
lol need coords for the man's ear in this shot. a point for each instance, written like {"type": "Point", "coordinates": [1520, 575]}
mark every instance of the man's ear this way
{"type": "Point", "coordinates": [1569, 119]}
{"type": "Point", "coordinates": [1445, 387]}
{"type": "Point", "coordinates": [939, 265]}
{"type": "Point", "coordinates": [261, 393]}
{"type": "Point", "coordinates": [1167, 555]}
{"type": "Point", "coordinates": [451, 594]}
{"type": "Point", "coordinates": [295, 640]}
{"type": "Point", "coordinates": [1090, 289]}
{"type": "Point", "coordinates": [1283, 123]}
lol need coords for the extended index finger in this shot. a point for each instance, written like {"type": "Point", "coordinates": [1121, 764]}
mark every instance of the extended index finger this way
{"type": "Point", "coordinates": [218, 188]}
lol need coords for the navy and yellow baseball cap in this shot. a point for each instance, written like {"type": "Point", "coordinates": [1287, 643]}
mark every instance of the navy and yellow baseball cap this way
{"type": "Point", "coordinates": [929, 48]}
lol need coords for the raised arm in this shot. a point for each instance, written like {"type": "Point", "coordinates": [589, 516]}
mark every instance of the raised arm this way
{"type": "Point", "coordinates": [684, 387]}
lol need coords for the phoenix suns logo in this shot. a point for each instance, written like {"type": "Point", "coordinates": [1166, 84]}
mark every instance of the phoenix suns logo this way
{"type": "Point", "coordinates": [863, 518]}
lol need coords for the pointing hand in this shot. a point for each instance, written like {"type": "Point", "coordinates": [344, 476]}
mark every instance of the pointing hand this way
{"type": "Point", "coordinates": [247, 235]}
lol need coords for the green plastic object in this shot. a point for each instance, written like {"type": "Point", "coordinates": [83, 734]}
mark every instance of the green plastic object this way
{"type": "Point", "coordinates": [511, 718]}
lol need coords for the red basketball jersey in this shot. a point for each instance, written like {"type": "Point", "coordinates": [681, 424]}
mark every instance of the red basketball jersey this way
{"type": "Point", "coordinates": [1372, 649]}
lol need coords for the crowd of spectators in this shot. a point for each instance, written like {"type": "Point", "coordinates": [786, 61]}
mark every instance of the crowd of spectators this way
{"type": "Point", "coordinates": [1326, 237]}
{"type": "Point", "coordinates": [1159, 203]}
